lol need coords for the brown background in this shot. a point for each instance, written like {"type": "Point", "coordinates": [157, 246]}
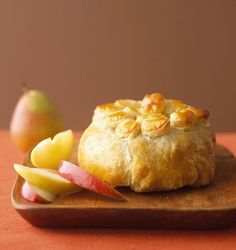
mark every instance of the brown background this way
{"type": "Point", "coordinates": [83, 53]}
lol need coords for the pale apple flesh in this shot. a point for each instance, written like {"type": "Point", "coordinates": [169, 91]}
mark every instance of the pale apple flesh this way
{"type": "Point", "coordinates": [35, 194]}
{"type": "Point", "coordinates": [84, 179]}
{"type": "Point", "coordinates": [50, 152]}
{"type": "Point", "coordinates": [46, 179]}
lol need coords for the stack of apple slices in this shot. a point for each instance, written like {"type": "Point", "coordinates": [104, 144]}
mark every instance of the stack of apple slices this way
{"type": "Point", "coordinates": [54, 175]}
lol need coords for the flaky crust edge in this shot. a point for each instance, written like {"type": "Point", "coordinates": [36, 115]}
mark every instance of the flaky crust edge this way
{"type": "Point", "coordinates": [180, 158]}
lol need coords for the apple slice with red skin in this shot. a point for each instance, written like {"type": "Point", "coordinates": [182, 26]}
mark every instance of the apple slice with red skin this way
{"type": "Point", "coordinates": [36, 194]}
{"type": "Point", "coordinates": [85, 179]}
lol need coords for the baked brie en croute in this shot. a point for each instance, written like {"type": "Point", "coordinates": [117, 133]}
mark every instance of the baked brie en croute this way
{"type": "Point", "coordinates": [149, 145]}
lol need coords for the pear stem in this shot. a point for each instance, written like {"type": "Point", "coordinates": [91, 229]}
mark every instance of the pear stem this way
{"type": "Point", "coordinates": [25, 88]}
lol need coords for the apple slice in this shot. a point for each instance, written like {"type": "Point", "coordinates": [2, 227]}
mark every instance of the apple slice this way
{"type": "Point", "coordinates": [47, 179]}
{"type": "Point", "coordinates": [35, 194]}
{"type": "Point", "coordinates": [49, 152]}
{"type": "Point", "coordinates": [84, 179]}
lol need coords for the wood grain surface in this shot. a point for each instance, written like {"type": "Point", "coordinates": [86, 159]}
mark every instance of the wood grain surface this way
{"type": "Point", "coordinates": [210, 207]}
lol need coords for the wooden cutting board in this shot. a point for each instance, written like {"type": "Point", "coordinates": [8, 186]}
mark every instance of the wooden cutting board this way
{"type": "Point", "coordinates": [210, 207]}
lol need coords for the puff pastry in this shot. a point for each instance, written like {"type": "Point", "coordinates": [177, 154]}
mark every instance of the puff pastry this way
{"type": "Point", "coordinates": [153, 144]}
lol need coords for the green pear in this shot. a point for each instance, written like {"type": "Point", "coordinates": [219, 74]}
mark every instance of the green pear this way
{"type": "Point", "coordinates": [35, 118]}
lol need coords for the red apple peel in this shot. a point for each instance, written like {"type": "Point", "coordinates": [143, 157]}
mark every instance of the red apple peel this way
{"type": "Point", "coordinates": [34, 194]}
{"type": "Point", "coordinates": [85, 179]}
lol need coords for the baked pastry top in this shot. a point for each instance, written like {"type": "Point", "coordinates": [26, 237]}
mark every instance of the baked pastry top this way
{"type": "Point", "coordinates": [150, 145]}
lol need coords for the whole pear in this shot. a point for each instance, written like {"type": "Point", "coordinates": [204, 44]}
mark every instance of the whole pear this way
{"type": "Point", "coordinates": [35, 118]}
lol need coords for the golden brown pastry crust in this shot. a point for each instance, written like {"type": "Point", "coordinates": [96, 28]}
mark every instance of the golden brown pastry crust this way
{"type": "Point", "coordinates": [149, 145]}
